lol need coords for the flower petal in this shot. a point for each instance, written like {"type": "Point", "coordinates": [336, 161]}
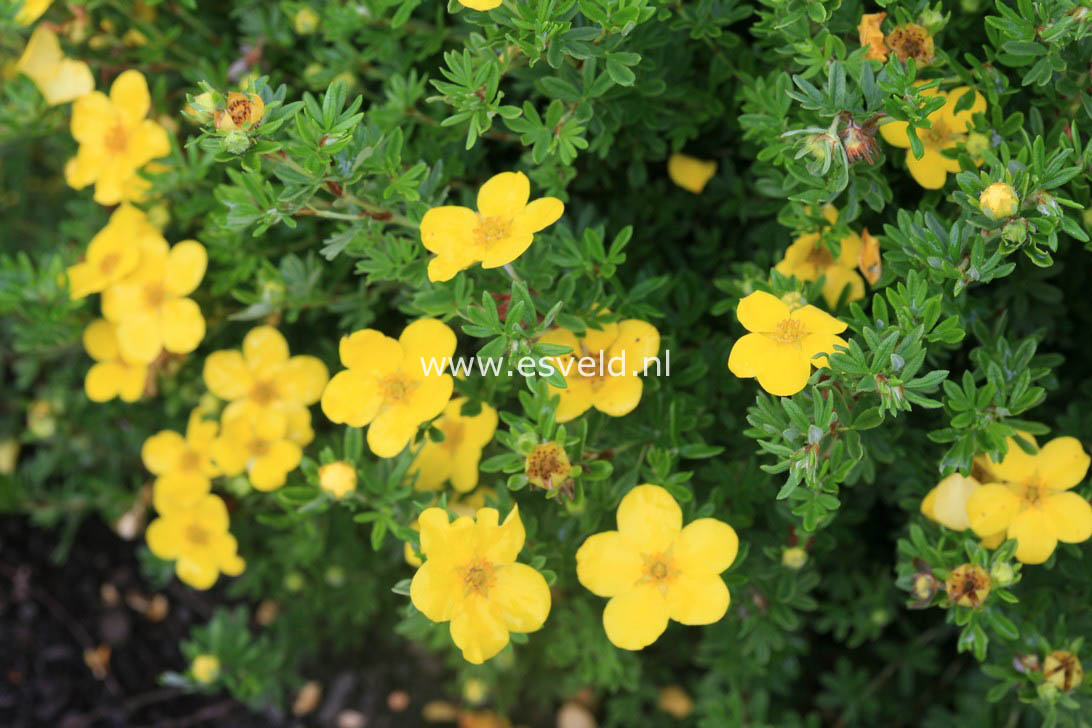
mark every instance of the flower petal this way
{"type": "Point", "coordinates": [894, 133]}
{"type": "Point", "coordinates": [186, 264]}
{"type": "Point", "coordinates": [428, 339]}
{"type": "Point", "coordinates": [183, 325]}
{"type": "Point", "coordinates": [499, 544]}
{"type": "Point", "coordinates": [608, 565]}
{"type": "Point", "coordinates": [477, 631]}
{"type": "Point", "coordinates": [165, 538]}
{"type": "Point", "coordinates": [351, 398]}
{"type": "Point", "coordinates": [140, 337]}
{"type": "Point", "coordinates": [786, 373]}
{"type": "Point", "coordinates": [700, 599]}
{"type": "Point", "coordinates": [637, 618]}
{"type": "Point", "coordinates": [539, 214]}
{"type": "Point", "coordinates": [436, 590]}
{"type": "Point", "coordinates": [761, 311]}
{"type": "Point", "coordinates": [618, 396]}
{"type": "Point", "coordinates": [507, 249]}
{"type": "Point", "coordinates": [303, 379]}
{"type": "Point", "coordinates": [520, 597]}
{"type": "Point", "coordinates": [706, 546]}
{"type": "Point", "coordinates": [264, 348]}
{"type": "Point", "coordinates": [449, 230]}
{"type": "Point", "coordinates": [370, 352]}
{"type": "Point", "coordinates": [751, 354]}
{"type": "Point", "coordinates": [1035, 536]}
{"type": "Point", "coordinates": [1062, 463]}
{"type": "Point", "coordinates": [390, 431]}
{"type": "Point", "coordinates": [504, 195]}
{"type": "Point", "coordinates": [227, 375]}
{"type": "Point", "coordinates": [959, 123]}
{"type": "Point", "coordinates": [1070, 516]}
{"type": "Point", "coordinates": [162, 451]}
{"type": "Point", "coordinates": [638, 341]}
{"type": "Point", "coordinates": [100, 340]}
{"type": "Point", "coordinates": [130, 97]}
{"type": "Point", "coordinates": [991, 509]}
{"type": "Point", "coordinates": [649, 518]}
{"type": "Point", "coordinates": [929, 171]}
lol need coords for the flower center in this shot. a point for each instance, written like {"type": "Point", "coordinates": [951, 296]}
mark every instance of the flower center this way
{"type": "Point", "coordinates": [396, 388]}
{"type": "Point", "coordinates": [190, 460]}
{"type": "Point", "coordinates": [659, 569]}
{"type": "Point", "coordinates": [109, 262]}
{"type": "Point", "coordinates": [258, 447]}
{"type": "Point", "coordinates": [264, 392]}
{"type": "Point", "coordinates": [239, 111]}
{"type": "Point", "coordinates": [491, 229]}
{"type": "Point", "coordinates": [453, 434]}
{"type": "Point", "coordinates": [1030, 492]}
{"type": "Point", "coordinates": [937, 134]}
{"type": "Point", "coordinates": [788, 331]}
{"type": "Point", "coordinates": [820, 257]}
{"type": "Point", "coordinates": [154, 295]}
{"type": "Point", "coordinates": [117, 139]}
{"type": "Point", "coordinates": [196, 535]}
{"type": "Point", "coordinates": [477, 577]}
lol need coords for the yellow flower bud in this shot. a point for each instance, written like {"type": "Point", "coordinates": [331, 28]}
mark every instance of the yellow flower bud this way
{"type": "Point", "coordinates": [794, 558]}
{"type": "Point", "coordinates": [475, 691]}
{"type": "Point", "coordinates": [999, 201]}
{"type": "Point", "coordinates": [306, 21]}
{"type": "Point", "coordinates": [40, 419]}
{"type": "Point", "coordinates": [9, 456]}
{"type": "Point", "coordinates": [968, 585]}
{"type": "Point", "coordinates": [338, 479]}
{"type": "Point", "coordinates": [1063, 670]}
{"type": "Point", "coordinates": [242, 112]}
{"type": "Point", "coordinates": [1002, 573]}
{"type": "Point", "coordinates": [205, 668]}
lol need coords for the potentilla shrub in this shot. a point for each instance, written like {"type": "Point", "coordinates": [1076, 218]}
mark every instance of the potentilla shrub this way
{"type": "Point", "coordinates": [720, 362]}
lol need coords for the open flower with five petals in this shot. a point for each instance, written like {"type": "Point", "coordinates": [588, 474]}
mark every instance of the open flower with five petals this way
{"type": "Point", "coordinates": [392, 385]}
{"type": "Point", "coordinates": [783, 344]}
{"type": "Point", "coordinates": [808, 258]}
{"type": "Point", "coordinates": [655, 570]}
{"type": "Point", "coordinates": [111, 375]}
{"type": "Point", "coordinates": [184, 465]}
{"type": "Point", "coordinates": [603, 369]}
{"type": "Point", "coordinates": [456, 457]}
{"type": "Point", "coordinates": [114, 252]}
{"type": "Point", "coordinates": [471, 578]}
{"type": "Point", "coordinates": [498, 233]}
{"type": "Point", "coordinates": [266, 461]}
{"type": "Point", "coordinates": [196, 538]}
{"type": "Point", "coordinates": [1028, 498]}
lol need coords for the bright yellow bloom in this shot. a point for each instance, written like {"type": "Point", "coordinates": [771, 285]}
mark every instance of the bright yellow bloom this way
{"type": "Point", "coordinates": [968, 585]}
{"type": "Point", "coordinates": [115, 140]}
{"type": "Point", "coordinates": [393, 385]}
{"type": "Point", "coordinates": [654, 570]}
{"type": "Point", "coordinates": [150, 306]}
{"type": "Point", "coordinates": [471, 578]}
{"type": "Point", "coordinates": [690, 173]}
{"type": "Point", "coordinates": [110, 376]}
{"type": "Point", "coordinates": [480, 4]}
{"type": "Point", "coordinates": [998, 201]}
{"type": "Point", "coordinates": [337, 478]}
{"type": "Point", "coordinates": [114, 252]}
{"type": "Point", "coordinates": [184, 465]}
{"type": "Point", "coordinates": [265, 385]}
{"type": "Point", "coordinates": [242, 112]}
{"type": "Point", "coordinates": [205, 668]}
{"type": "Point", "coordinates": [1027, 497]}
{"type": "Point", "coordinates": [808, 259]}
{"type": "Point", "coordinates": [946, 131]}
{"type": "Point", "coordinates": [59, 79]}
{"type": "Point", "coordinates": [911, 40]}
{"type": "Point", "coordinates": [31, 11]}
{"type": "Point", "coordinates": [266, 462]}
{"type": "Point", "coordinates": [603, 370]}
{"type": "Point", "coordinates": [456, 458]}
{"type": "Point", "coordinates": [196, 537]}
{"type": "Point", "coordinates": [946, 503]}
{"type": "Point", "coordinates": [498, 233]}
{"type": "Point", "coordinates": [871, 37]}
{"type": "Point", "coordinates": [783, 345]}
{"type": "Point", "coordinates": [461, 504]}
{"type": "Point", "coordinates": [1063, 670]}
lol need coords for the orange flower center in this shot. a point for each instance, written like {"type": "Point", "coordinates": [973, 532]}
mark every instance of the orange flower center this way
{"type": "Point", "coordinates": [491, 229]}
{"type": "Point", "coordinates": [1030, 493]}
{"type": "Point", "coordinates": [820, 257]}
{"type": "Point", "coordinates": [154, 295]}
{"type": "Point", "coordinates": [116, 139]}
{"type": "Point", "coordinates": [109, 262]}
{"type": "Point", "coordinates": [196, 534]}
{"type": "Point", "coordinates": [477, 577]}
{"type": "Point", "coordinates": [659, 569]}
{"type": "Point", "coordinates": [258, 447]}
{"type": "Point", "coordinates": [190, 460]}
{"type": "Point", "coordinates": [396, 387]}
{"type": "Point", "coordinates": [937, 134]}
{"type": "Point", "coordinates": [788, 331]}
{"type": "Point", "coordinates": [264, 392]}
{"type": "Point", "coordinates": [239, 111]}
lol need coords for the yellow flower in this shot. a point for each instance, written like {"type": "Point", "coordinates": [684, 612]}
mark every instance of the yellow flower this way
{"type": "Point", "coordinates": [456, 458]}
{"type": "Point", "coordinates": [266, 461]}
{"type": "Point", "coordinates": [968, 585]}
{"type": "Point", "coordinates": [111, 375]}
{"type": "Point", "coordinates": [808, 259]}
{"type": "Point", "coordinates": [547, 466]}
{"type": "Point", "coordinates": [196, 537]}
{"type": "Point", "coordinates": [242, 112]}
{"type": "Point", "coordinates": [654, 570]}
{"type": "Point", "coordinates": [31, 11]}
{"type": "Point", "coordinates": [471, 578]}
{"type": "Point", "coordinates": [998, 201]}
{"type": "Point", "coordinates": [946, 503]}
{"type": "Point", "coordinates": [947, 129]}
{"type": "Point", "coordinates": [603, 369]}
{"type": "Point", "coordinates": [871, 37]}
{"type": "Point", "coordinates": [911, 41]}
{"type": "Point", "coordinates": [393, 385]}
{"type": "Point", "coordinates": [59, 79]}
{"type": "Point", "coordinates": [794, 558]}
{"type": "Point", "coordinates": [337, 478]}
{"type": "Point", "coordinates": [205, 668]}
{"type": "Point", "coordinates": [114, 252]}
{"type": "Point", "coordinates": [1027, 497]}
{"type": "Point", "coordinates": [461, 504]}
{"type": "Point", "coordinates": [1063, 670]}
{"type": "Point", "coordinates": [184, 465]}
{"type": "Point", "coordinates": [869, 261]}
{"type": "Point", "coordinates": [480, 4]}
{"type": "Point", "coordinates": [115, 140]}
{"type": "Point", "coordinates": [266, 386]}
{"type": "Point", "coordinates": [9, 455]}
{"type": "Point", "coordinates": [150, 306]}
{"type": "Point", "coordinates": [306, 20]}
{"type": "Point", "coordinates": [690, 173]}
{"type": "Point", "coordinates": [498, 233]}
{"type": "Point", "coordinates": [782, 346]}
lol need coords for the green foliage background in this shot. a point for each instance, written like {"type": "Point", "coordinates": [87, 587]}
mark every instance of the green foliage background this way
{"type": "Point", "coordinates": [390, 108]}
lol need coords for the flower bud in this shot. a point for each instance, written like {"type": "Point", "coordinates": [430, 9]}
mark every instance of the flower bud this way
{"type": "Point", "coordinates": [1002, 573]}
{"type": "Point", "coordinates": [236, 142]}
{"type": "Point", "coordinates": [306, 21]}
{"type": "Point", "coordinates": [1063, 670]}
{"type": "Point", "coordinates": [690, 173]}
{"type": "Point", "coordinates": [242, 112]}
{"type": "Point", "coordinates": [977, 144]}
{"type": "Point", "coordinates": [9, 456]}
{"type": "Point", "coordinates": [338, 479]}
{"type": "Point", "coordinates": [794, 558]}
{"type": "Point", "coordinates": [968, 585]}
{"type": "Point", "coordinates": [999, 201]}
{"type": "Point", "coordinates": [201, 109]}
{"type": "Point", "coordinates": [1015, 231]}
{"type": "Point", "coordinates": [205, 668]}
{"type": "Point", "coordinates": [40, 419]}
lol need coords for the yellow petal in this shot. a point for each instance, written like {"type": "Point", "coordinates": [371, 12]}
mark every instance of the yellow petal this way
{"type": "Point", "coordinates": [34, 9]}
{"type": "Point", "coordinates": [539, 214]}
{"type": "Point", "coordinates": [199, 573]}
{"type": "Point", "coordinates": [637, 618]}
{"type": "Point", "coordinates": [499, 544]}
{"type": "Point", "coordinates": [449, 230]}
{"type": "Point", "coordinates": [436, 590]}
{"type": "Point", "coordinates": [177, 490]}
{"type": "Point", "coordinates": [72, 80]}
{"type": "Point", "coordinates": [270, 470]}
{"type": "Point", "coordinates": [427, 398]}
{"type": "Point", "coordinates": [929, 171]}
{"type": "Point", "coordinates": [1062, 463]}
{"type": "Point", "coordinates": [92, 116]}
{"type": "Point", "coordinates": [706, 546]}
{"type": "Point", "coordinates": [520, 597]}
{"type": "Point", "coordinates": [183, 325]}
{"type": "Point", "coordinates": [751, 354]}
{"type": "Point", "coordinates": [432, 466]}
{"type": "Point", "coordinates": [186, 266]}
{"type": "Point", "coordinates": [761, 311]}
{"type": "Point", "coordinates": [100, 340]}
{"type": "Point", "coordinates": [818, 321]}
{"type": "Point", "coordinates": [351, 398]}
{"type": "Point", "coordinates": [390, 431]}
{"type": "Point", "coordinates": [1035, 536]}
{"type": "Point", "coordinates": [303, 379]}
{"type": "Point", "coordinates": [638, 341]}
{"type": "Point", "coordinates": [991, 509]}
{"type": "Point", "coordinates": [464, 468]}
{"type": "Point", "coordinates": [952, 496]}
{"type": "Point", "coordinates": [370, 352]}
{"type": "Point", "coordinates": [928, 504]}
{"type": "Point", "coordinates": [264, 348]}
{"type": "Point", "coordinates": [477, 631]}
{"type": "Point", "coordinates": [1017, 466]}
{"type": "Point", "coordinates": [148, 141]}
{"type": "Point", "coordinates": [103, 381]}
{"type": "Point", "coordinates": [507, 249]}
{"type": "Point", "coordinates": [816, 344]}
{"type": "Point", "coordinates": [1070, 516]}
{"type": "Point", "coordinates": [959, 123]}
{"type": "Point", "coordinates": [480, 4]}
{"type": "Point", "coordinates": [607, 564]}
{"type": "Point", "coordinates": [618, 396]}
{"type": "Point", "coordinates": [504, 195]}
{"type": "Point", "coordinates": [836, 279]}
{"type": "Point", "coordinates": [786, 373]}
{"type": "Point", "coordinates": [690, 173]}
{"type": "Point", "coordinates": [576, 399]}
{"type": "Point", "coordinates": [894, 133]}
{"type": "Point", "coordinates": [129, 95]}
{"type": "Point", "coordinates": [442, 269]}
{"type": "Point", "coordinates": [140, 337]}
{"type": "Point", "coordinates": [426, 338]}
{"type": "Point", "coordinates": [162, 451]}
{"type": "Point", "coordinates": [165, 538]}
{"type": "Point", "coordinates": [133, 379]}
{"type": "Point", "coordinates": [227, 375]}
{"type": "Point", "coordinates": [649, 518]}
{"type": "Point", "coordinates": [700, 599]}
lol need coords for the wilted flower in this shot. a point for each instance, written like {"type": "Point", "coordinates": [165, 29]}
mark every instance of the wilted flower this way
{"type": "Point", "coordinates": [968, 585]}
{"type": "Point", "coordinates": [911, 41]}
{"type": "Point", "coordinates": [871, 37]}
{"type": "Point", "coordinates": [1063, 670]}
